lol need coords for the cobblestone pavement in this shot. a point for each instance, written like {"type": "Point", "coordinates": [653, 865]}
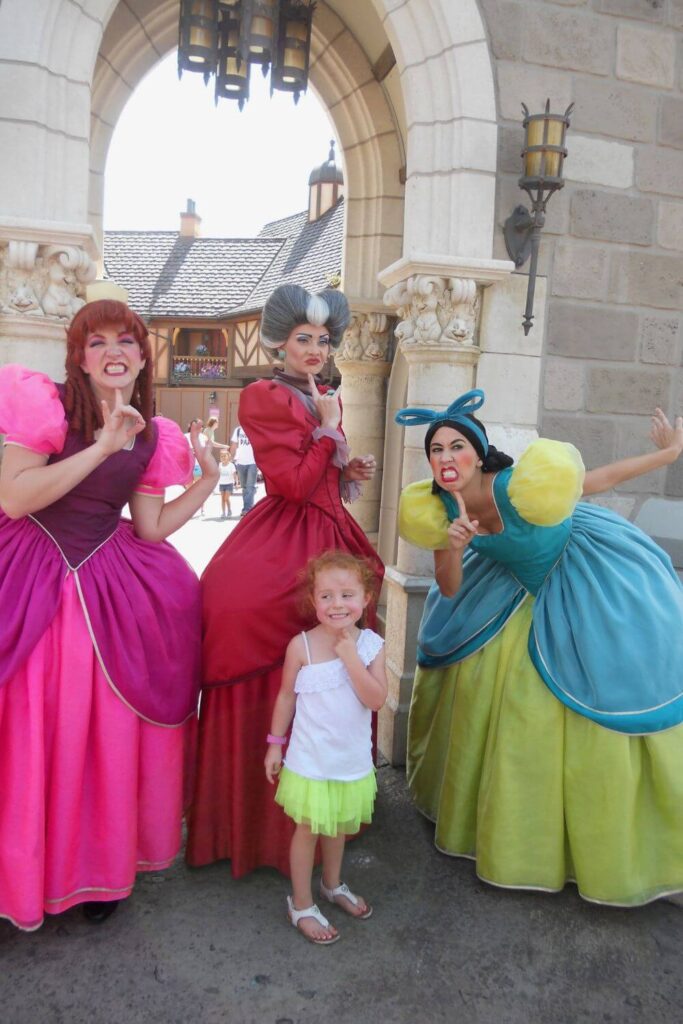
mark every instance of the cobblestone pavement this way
{"type": "Point", "coordinates": [196, 947]}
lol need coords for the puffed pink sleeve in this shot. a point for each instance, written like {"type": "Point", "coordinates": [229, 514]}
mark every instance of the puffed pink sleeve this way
{"type": "Point", "coordinates": [172, 462]}
{"type": "Point", "coordinates": [31, 413]}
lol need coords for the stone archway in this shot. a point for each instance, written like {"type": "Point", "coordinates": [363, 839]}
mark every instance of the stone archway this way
{"type": "Point", "coordinates": [420, 154]}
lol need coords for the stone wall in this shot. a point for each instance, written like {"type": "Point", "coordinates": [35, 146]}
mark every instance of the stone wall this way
{"type": "Point", "coordinates": [612, 248]}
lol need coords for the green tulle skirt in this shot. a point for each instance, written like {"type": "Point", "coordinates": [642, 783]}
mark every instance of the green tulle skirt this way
{"type": "Point", "coordinates": [537, 794]}
{"type": "Point", "coordinates": [328, 807]}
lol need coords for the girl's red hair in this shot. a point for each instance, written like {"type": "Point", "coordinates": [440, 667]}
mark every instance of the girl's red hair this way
{"type": "Point", "coordinates": [82, 408]}
{"type": "Point", "coordinates": [337, 560]}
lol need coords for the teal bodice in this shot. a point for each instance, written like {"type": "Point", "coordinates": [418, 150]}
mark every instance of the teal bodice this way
{"type": "Point", "coordinates": [607, 632]}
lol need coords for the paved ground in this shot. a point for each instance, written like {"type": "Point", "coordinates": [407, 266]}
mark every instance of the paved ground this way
{"type": "Point", "coordinates": [195, 946]}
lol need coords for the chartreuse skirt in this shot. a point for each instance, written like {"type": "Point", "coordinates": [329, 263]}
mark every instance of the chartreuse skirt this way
{"type": "Point", "coordinates": [537, 794]}
{"type": "Point", "coordinates": [328, 807]}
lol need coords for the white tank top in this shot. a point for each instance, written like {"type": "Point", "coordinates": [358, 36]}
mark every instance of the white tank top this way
{"type": "Point", "coordinates": [332, 730]}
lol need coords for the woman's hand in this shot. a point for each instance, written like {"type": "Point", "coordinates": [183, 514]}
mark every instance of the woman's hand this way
{"type": "Point", "coordinates": [203, 451]}
{"type": "Point", "coordinates": [328, 406]}
{"type": "Point", "coordinates": [363, 467]}
{"type": "Point", "coordinates": [461, 530]}
{"type": "Point", "coordinates": [667, 437]}
{"type": "Point", "coordinates": [120, 425]}
{"type": "Point", "coordinates": [273, 761]}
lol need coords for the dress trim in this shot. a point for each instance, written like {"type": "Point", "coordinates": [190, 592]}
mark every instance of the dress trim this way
{"type": "Point", "coordinates": [598, 711]}
{"type": "Point", "coordinates": [473, 637]}
{"type": "Point", "coordinates": [98, 655]}
{"type": "Point", "coordinates": [56, 543]}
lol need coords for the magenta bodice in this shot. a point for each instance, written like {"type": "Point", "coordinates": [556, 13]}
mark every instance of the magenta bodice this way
{"type": "Point", "coordinates": [140, 599]}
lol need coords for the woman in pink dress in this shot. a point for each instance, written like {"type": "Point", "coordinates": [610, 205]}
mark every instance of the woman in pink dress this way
{"type": "Point", "coordinates": [100, 627]}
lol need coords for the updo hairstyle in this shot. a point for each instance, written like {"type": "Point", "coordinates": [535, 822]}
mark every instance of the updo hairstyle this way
{"type": "Point", "coordinates": [291, 305]}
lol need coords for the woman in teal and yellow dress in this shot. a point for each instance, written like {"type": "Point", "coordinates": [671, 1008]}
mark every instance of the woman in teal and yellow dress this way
{"type": "Point", "coordinates": [544, 737]}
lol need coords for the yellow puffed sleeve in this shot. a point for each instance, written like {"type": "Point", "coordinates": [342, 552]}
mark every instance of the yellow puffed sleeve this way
{"type": "Point", "coordinates": [547, 482]}
{"type": "Point", "coordinates": [422, 518]}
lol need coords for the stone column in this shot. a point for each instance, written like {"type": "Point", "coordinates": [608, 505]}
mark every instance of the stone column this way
{"type": "Point", "coordinates": [438, 305]}
{"type": "Point", "coordinates": [44, 270]}
{"type": "Point", "coordinates": [363, 360]}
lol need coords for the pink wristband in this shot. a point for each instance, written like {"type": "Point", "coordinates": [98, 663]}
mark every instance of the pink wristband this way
{"type": "Point", "coordinates": [280, 740]}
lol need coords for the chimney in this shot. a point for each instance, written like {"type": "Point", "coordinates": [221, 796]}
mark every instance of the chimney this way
{"type": "Point", "coordinates": [190, 221]}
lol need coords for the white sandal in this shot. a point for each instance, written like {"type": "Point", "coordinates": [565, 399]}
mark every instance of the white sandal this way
{"type": "Point", "coordinates": [343, 890]}
{"type": "Point", "coordinates": [296, 915]}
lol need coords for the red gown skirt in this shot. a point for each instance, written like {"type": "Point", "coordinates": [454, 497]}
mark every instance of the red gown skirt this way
{"type": "Point", "coordinates": [251, 612]}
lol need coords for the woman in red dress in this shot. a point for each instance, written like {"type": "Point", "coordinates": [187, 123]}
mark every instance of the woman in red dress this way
{"type": "Point", "coordinates": [250, 586]}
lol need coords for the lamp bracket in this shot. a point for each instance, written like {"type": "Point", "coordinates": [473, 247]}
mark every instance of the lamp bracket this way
{"type": "Point", "coordinates": [517, 233]}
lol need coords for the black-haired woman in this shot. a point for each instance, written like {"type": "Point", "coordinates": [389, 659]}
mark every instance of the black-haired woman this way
{"type": "Point", "coordinates": [545, 738]}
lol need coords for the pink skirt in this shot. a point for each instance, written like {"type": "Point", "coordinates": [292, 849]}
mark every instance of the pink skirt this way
{"type": "Point", "coordinates": [90, 793]}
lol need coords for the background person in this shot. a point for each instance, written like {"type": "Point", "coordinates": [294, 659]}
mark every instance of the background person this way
{"type": "Point", "coordinates": [242, 453]}
{"type": "Point", "coordinates": [226, 484]}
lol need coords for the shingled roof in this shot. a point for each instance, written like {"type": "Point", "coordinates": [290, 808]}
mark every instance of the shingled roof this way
{"type": "Point", "coordinates": [310, 252]}
{"type": "Point", "coordinates": [168, 275]}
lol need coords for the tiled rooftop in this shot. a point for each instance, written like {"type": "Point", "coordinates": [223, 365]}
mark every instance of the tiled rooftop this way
{"type": "Point", "coordinates": [171, 276]}
{"type": "Point", "coordinates": [168, 275]}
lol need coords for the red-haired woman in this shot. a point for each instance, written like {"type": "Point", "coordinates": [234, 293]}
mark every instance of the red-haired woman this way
{"type": "Point", "coordinates": [99, 636]}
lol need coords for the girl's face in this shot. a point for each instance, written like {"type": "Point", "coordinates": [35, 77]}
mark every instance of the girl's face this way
{"type": "Point", "coordinates": [306, 350]}
{"type": "Point", "coordinates": [225, 458]}
{"type": "Point", "coordinates": [339, 598]}
{"type": "Point", "coordinates": [112, 358]}
{"type": "Point", "coordinates": [453, 459]}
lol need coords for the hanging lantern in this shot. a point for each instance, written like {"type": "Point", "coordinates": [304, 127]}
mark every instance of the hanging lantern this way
{"type": "Point", "coordinates": [232, 74]}
{"type": "Point", "coordinates": [290, 70]}
{"type": "Point", "coordinates": [258, 31]}
{"type": "Point", "coordinates": [198, 36]}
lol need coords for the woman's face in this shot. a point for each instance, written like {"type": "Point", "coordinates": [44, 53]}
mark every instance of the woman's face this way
{"type": "Point", "coordinates": [453, 459]}
{"type": "Point", "coordinates": [112, 358]}
{"type": "Point", "coordinates": [306, 350]}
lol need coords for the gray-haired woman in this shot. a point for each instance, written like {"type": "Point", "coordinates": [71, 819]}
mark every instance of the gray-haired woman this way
{"type": "Point", "coordinates": [250, 586]}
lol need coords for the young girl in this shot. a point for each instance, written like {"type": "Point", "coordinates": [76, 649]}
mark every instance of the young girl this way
{"type": "Point", "coordinates": [227, 482]}
{"type": "Point", "coordinates": [334, 677]}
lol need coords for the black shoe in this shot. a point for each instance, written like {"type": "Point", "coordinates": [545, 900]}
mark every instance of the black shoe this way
{"type": "Point", "coordinates": [98, 911]}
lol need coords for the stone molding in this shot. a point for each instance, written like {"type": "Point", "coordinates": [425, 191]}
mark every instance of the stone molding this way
{"type": "Point", "coordinates": [366, 340]}
{"type": "Point", "coordinates": [40, 277]}
{"type": "Point", "coordinates": [483, 272]}
{"type": "Point", "coordinates": [442, 311]}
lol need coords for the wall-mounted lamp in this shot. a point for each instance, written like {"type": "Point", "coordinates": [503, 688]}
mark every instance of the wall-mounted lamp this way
{"type": "Point", "coordinates": [543, 157]}
{"type": "Point", "coordinates": [212, 396]}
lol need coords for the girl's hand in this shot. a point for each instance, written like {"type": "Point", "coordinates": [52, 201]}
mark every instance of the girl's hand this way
{"type": "Point", "coordinates": [363, 467]}
{"type": "Point", "coordinates": [461, 530]}
{"type": "Point", "coordinates": [203, 452]}
{"type": "Point", "coordinates": [273, 761]}
{"type": "Point", "coordinates": [664, 436]}
{"type": "Point", "coordinates": [345, 646]}
{"type": "Point", "coordinates": [120, 425]}
{"type": "Point", "coordinates": [328, 406]}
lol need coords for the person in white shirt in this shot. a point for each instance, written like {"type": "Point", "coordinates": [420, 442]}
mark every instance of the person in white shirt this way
{"type": "Point", "coordinates": [243, 455]}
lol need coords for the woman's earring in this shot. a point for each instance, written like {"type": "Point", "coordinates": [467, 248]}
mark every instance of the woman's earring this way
{"type": "Point", "coordinates": [281, 353]}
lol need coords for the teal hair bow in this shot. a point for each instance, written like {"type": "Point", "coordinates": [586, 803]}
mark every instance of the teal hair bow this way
{"type": "Point", "coordinates": [458, 411]}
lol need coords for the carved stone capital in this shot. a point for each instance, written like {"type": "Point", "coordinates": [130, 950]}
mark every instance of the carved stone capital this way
{"type": "Point", "coordinates": [366, 339]}
{"type": "Point", "coordinates": [435, 310]}
{"type": "Point", "coordinates": [43, 280]}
